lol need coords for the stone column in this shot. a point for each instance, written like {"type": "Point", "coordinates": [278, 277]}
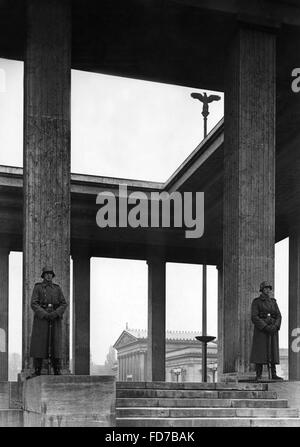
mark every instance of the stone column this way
{"type": "Point", "coordinates": [121, 363]}
{"type": "Point", "coordinates": [156, 350]}
{"type": "Point", "coordinates": [81, 313]}
{"type": "Point", "coordinates": [144, 367]}
{"type": "Point", "coordinates": [126, 366]}
{"type": "Point", "coordinates": [4, 252]}
{"type": "Point", "coordinates": [47, 88]}
{"type": "Point", "coordinates": [294, 306]}
{"type": "Point", "coordinates": [220, 319]}
{"type": "Point", "coordinates": [135, 371]}
{"type": "Point", "coordinates": [249, 186]}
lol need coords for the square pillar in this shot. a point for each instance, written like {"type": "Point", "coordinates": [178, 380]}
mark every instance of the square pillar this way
{"type": "Point", "coordinates": [47, 91]}
{"type": "Point", "coordinates": [294, 306]}
{"type": "Point", "coordinates": [220, 320]}
{"type": "Point", "coordinates": [249, 186]}
{"type": "Point", "coordinates": [4, 253]}
{"type": "Point", "coordinates": [156, 349]}
{"type": "Point", "coordinates": [81, 314]}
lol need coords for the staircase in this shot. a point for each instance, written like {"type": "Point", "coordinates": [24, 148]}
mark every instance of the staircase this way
{"type": "Point", "coordinates": [11, 415]}
{"type": "Point", "coordinates": [169, 404]}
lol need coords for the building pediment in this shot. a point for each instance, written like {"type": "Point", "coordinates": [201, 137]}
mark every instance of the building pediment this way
{"type": "Point", "coordinates": [124, 340]}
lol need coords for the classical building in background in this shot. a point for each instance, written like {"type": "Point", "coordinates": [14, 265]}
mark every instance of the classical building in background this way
{"type": "Point", "coordinates": [183, 357]}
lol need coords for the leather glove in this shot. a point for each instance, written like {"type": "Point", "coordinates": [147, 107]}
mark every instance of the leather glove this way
{"type": "Point", "coordinates": [53, 315]}
{"type": "Point", "coordinates": [271, 329]}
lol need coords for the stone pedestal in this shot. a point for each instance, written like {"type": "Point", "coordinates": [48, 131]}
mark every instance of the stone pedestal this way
{"type": "Point", "coordinates": [69, 401]}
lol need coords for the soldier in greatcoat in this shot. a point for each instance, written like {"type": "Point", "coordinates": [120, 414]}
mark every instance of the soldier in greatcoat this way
{"type": "Point", "coordinates": [266, 317]}
{"type": "Point", "coordinates": [47, 293]}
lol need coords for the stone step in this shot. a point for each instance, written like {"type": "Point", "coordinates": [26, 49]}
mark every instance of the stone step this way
{"type": "Point", "coordinates": [204, 403]}
{"type": "Point", "coordinates": [192, 386]}
{"type": "Point", "coordinates": [4, 395]}
{"type": "Point", "coordinates": [11, 418]}
{"type": "Point", "coordinates": [191, 412]}
{"type": "Point", "coordinates": [208, 422]}
{"type": "Point", "coordinates": [201, 394]}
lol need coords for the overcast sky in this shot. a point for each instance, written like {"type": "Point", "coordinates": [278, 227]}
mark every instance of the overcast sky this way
{"type": "Point", "coordinates": [134, 129]}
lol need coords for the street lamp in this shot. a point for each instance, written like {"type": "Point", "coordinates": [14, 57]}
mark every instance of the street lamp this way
{"type": "Point", "coordinates": [205, 101]}
{"type": "Point", "coordinates": [205, 112]}
{"type": "Point", "coordinates": [177, 372]}
{"type": "Point", "coordinates": [204, 340]}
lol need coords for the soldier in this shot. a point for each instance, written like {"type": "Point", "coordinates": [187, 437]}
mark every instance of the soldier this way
{"type": "Point", "coordinates": [44, 293]}
{"type": "Point", "coordinates": [266, 317]}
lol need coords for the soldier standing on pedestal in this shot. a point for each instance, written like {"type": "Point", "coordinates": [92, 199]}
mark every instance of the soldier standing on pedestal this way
{"type": "Point", "coordinates": [266, 317]}
{"type": "Point", "coordinates": [47, 293]}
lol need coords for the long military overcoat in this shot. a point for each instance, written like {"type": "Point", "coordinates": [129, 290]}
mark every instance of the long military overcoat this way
{"type": "Point", "coordinates": [265, 345]}
{"type": "Point", "coordinates": [45, 293]}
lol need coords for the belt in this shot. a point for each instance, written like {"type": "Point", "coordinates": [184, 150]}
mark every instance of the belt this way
{"type": "Point", "coordinates": [54, 306]}
{"type": "Point", "coordinates": [264, 315]}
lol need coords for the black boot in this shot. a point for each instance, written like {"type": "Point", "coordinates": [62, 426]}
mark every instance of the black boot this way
{"type": "Point", "coordinates": [56, 367]}
{"type": "Point", "coordinates": [273, 372]}
{"type": "Point", "coordinates": [259, 369]}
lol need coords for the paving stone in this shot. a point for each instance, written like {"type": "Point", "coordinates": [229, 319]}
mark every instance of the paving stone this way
{"type": "Point", "coordinates": [254, 403]}
{"type": "Point", "coordinates": [280, 422]}
{"type": "Point", "coordinates": [136, 393]}
{"type": "Point", "coordinates": [242, 386]}
{"type": "Point", "coordinates": [247, 395]}
{"type": "Point", "coordinates": [181, 385]}
{"type": "Point", "coordinates": [205, 403]}
{"type": "Point", "coordinates": [191, 412]}
{"type": "Point", "coordinates": [208, 422]}
{"type": "Point", "coordinates": [183, 422]}
{"type": "Point", "coordinates": [192, 386]}
{"type": "Point", "coordinates": [267, 412]}
{"type": "Point", "coordinates": [126, 385]}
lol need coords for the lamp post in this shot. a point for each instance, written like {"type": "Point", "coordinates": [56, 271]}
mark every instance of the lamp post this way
{"type": "Point", "coordinates": [205, 109]}
{"type": "Point", "coordinates": [204, 340]}
{"type": "Point", "coordinates": [177, 372]}
{"type": "Point", "coordinates": [205, 112]}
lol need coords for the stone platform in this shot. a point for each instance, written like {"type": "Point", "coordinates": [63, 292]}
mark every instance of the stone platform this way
{"type": "Point", "coordinates": [69, 401]}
